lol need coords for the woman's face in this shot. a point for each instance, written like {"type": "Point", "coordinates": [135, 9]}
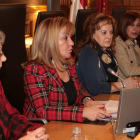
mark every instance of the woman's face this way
{"type": "Point", "coordinates": [65, 44]}
{"type": "Point", "coordinates": [133, 30]}
{"type": "Point", "coordinates": [104, 35]}
{"type": "Point", "coordinates": [2, 56]}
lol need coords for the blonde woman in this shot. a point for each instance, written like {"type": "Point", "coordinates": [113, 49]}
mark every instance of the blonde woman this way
{"type": "Point", "coordinates": [51, 84]}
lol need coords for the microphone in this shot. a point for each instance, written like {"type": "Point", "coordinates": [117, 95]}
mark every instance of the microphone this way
{"type": "Point", "coordinates": [113, 73]}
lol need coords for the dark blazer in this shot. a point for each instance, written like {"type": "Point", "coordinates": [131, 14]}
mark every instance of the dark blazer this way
{"type": "Point", "coordinates": [91, 72]}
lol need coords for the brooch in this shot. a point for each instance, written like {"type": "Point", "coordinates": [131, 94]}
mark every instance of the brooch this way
{"type": "Point", "coordinates": [106, 59]}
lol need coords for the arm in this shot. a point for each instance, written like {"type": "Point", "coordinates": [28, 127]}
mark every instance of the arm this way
{"type": "Point", "coordinates": [123, 61]}
{"type": "Point", "coordinates": [17, 125]}
{"type": "Point", "coordinates": [88, 64]}
{"type": "Point", "coordinates": [45, 99]}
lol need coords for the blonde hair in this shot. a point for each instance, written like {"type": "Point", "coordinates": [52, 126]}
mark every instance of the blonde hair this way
{"type": "Point", "coordinates": [45, 43]}
{"type": "Point", "coordinates": [2, 37]}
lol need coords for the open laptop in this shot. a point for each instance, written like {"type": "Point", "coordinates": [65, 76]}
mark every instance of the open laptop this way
{"type": "Point", "coordinates": [128, 111]}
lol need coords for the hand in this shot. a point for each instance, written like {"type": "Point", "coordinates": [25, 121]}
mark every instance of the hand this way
{"type": "Point", "coordinates": [38, 134]}
{"type": "Point", "coordinates": [95, 112]}
{"type": "Point", "coordinates": [131, 81]}
{"type": "Point", "coordinates": [90, 102]}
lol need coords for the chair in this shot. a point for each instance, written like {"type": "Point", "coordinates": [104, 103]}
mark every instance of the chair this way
{"type": "Point", "coordinates": [38, 120]}
{"type": "Point", "coordinates": [117, 14]}
{"type": "Point", "coordinates": [12, 23]}
{"type": "Point", "coordinates": [44, 15]}
{"type": "Point", "coordinates": [80, 19]}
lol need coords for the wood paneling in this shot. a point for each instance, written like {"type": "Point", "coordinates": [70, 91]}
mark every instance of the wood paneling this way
{"type": "Point", "coordinates": [135, 2]}
{"type": "Point", "coordinates": [127, 2]}
{"type": "Point", "coordinates": [28, 2]}
{"type": "Point", "coordinates": [109, 3]}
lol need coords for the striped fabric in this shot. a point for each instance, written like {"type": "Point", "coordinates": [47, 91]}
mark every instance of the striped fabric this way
{"type": "Point", "coordinates": [12, 125]}
{"type": "Point", "coordinates": [46, 96]}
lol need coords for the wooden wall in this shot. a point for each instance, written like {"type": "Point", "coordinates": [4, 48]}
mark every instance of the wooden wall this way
{"type": "Point", "coordinates": [28, 2]}
{"type": "Point", "coordinates": [127, 4]}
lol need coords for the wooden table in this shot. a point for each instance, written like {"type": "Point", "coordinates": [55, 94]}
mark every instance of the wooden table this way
{"type": "Point", "coordinates": [59, 130]}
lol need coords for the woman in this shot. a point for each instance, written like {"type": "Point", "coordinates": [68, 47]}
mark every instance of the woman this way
{"type": "Point", "coordinates": [127, 45]}
{"type": "Point", "coordinates": [51, 84]}
{"type": "Point", "coordinates": [95, 56]}
{"type": "Point", "coordinates": [12, 124]}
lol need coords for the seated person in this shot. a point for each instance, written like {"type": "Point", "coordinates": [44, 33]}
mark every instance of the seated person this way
{"type": "Point", "coordinates": [127, 45]}
{"type": "Point", "coordinates": [14, 126]}
{"type": "Point", "coordinates": [52, 87]}
{"type": "Point", "coordinates": [94, 56]}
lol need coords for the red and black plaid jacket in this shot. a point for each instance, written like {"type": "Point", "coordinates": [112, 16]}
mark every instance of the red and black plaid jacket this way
{"type": "Point", "coordinates": [12, 125]}
{"type": "Point", "coordinates": [45, 95]}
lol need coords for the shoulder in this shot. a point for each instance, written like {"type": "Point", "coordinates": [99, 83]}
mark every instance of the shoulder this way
{"type": "Point", "coordinates": [88, 52]}
{"type": "Point", "coordinates": [120, 42]}
{"type": "Point", "coordinates": [37, 69]}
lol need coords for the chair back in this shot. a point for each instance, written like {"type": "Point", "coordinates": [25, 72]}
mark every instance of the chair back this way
{"type": "Point", "coordinates": [44, 15]}
{"type": "Point", "coordinates": [80, 19]}
{"type": "Point", "coordinates": [12, 23]}
{"type": "Point", "coordinates": [117, 14]}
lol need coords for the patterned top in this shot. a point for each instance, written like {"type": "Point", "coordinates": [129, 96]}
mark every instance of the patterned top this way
{"type": "Point", "coordinates": [12, 125]}
{"type": "Point", "coordinates": [46, 97]}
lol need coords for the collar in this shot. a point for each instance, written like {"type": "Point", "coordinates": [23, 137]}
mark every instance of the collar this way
{"type": "Point", "coordinates": [128, 42]}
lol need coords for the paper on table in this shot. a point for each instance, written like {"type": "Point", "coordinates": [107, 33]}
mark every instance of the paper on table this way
{"type": "Point", "coordinates": [111, 107]}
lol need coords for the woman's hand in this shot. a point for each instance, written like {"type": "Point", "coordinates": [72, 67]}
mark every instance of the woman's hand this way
{"type": "Point", "coordinates": [93, 113]}
{"type": "Point", "coordinates": [38, 134]}
{"type": "Point", "coordinates": [90, 102]}
{"type": "Point", "coordinates": [131, 81]}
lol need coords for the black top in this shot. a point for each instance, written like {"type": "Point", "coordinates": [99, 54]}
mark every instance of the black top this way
{"type": "Point", "coordinates": [70, 91]}
{"type": "Point", "coordinates": [109, 61]}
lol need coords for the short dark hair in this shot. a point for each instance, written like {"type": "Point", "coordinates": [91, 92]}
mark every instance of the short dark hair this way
{"type": "Point", "coordinates": [127, 19]}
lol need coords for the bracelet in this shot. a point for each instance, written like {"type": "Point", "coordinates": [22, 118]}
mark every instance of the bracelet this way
{"type": "Point", "coordinates": [88, 98]}
{"type": "Point", "coordinates": [85, 98]}
{"type": "Point", "coordinates": [122, 84]}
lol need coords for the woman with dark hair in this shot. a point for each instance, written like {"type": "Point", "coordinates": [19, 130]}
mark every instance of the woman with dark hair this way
{"type": "Point", "coordinates": [127, 45]}
{"type": "Point", "coordinates": [95, 56]}
{"type": "Point", "coordinates": [14, 126]}
{"type": "Point", "coordinates": [52, 88]}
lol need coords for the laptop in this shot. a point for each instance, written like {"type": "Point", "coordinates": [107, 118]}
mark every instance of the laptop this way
{"type": "Point", "coordinates": [128, 111]}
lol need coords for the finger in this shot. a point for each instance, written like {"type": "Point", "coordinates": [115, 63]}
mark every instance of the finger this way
{"type": "Point", "coordinates": [41, 133]}
{"type": "Point", "coordinates": [107, 114]}
{"type": "Point", "coordinates": [99, 118]}
{"type": "Point", "coordinates": [28, 132]}
{"type": "Point", "coordinates": [37, 131]}
{"type": "Point", "coordinates": [100, 105]}
{"type": "Point", "coordinates": [45, 136]}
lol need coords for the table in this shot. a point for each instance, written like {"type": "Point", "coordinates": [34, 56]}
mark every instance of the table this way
{"type": "Point", "coordinates": [59, 130]}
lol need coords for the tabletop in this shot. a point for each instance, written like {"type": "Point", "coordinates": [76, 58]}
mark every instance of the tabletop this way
{"type": "Point", "coordinates": [101, 130]}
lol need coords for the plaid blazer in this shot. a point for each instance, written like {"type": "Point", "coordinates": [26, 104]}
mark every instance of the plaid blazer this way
{"type": "Point", "coordinates": [46, 97]}
{"type": "Point", "coordinates": [12, 124]}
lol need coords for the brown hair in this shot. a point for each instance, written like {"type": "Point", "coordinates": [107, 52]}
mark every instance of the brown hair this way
{"type": "Point", "coordinates": [92, 24]}
{"type": "Point", "coordinates": [127, 19]}
{"type": "Point", "coordinates": [45, 42]}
